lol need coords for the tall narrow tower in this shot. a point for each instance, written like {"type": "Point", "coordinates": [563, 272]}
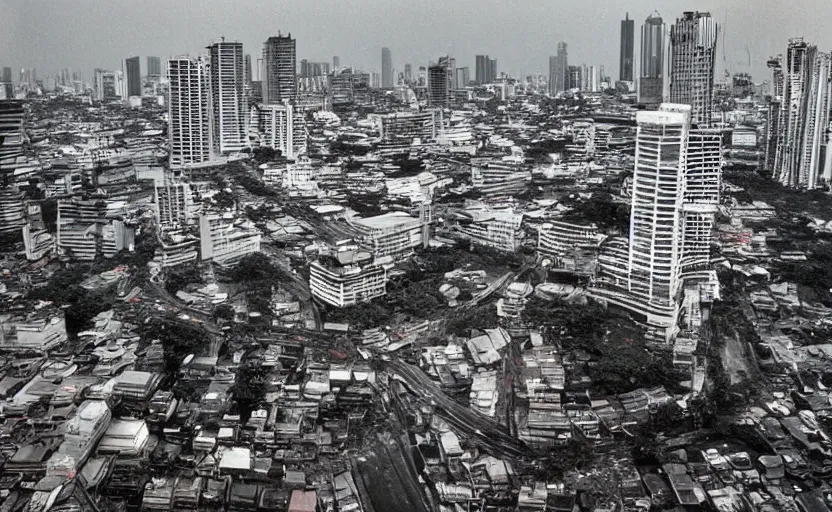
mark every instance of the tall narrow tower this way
{"type": "Point", "coordinates": [692, 57]}
{"type": "Point", "coordinates": [625, 65]}
{"type": "Point", "coordinates": [280, 70]}
{"type": "Point", "coordinates": [228, 104]}
{"type": "Point", "coordinates": [651, 76]}
{"type": "Point", "coordinates": [386, 69]}
{"type": "Point", "coordinates": [189, 122]}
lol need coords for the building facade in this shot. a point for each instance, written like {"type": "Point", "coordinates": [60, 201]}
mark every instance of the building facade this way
{"type": "Point", "coordinates": [283, 128]}
{"type": "Point", "coordinates": [154, 67]}
{"type": "Point", "coordinates": [439, 83]}
{"type": "Point", "coordinates": [346, 285]}
{"type": "Point", "coordinates": [386, 69]}
{"type": "Point", "coordinates": [558, 67]}
{"type": "Point", "coordinates": [692, 58]}
{"type": "Point", "coordinates": [133, 72]}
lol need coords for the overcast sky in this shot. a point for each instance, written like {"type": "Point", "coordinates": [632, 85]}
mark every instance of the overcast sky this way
{"type": "Point", "coordinates": [520, 34]}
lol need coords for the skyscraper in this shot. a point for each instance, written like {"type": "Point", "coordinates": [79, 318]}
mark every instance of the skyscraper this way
{"type": "Point", "coordinates": [558, 66]}
{"type": "Point", "coordinates": [438, 83]}
{"type": "Point", "coordinates": [133, 72]}
{"type": "Point", "coordinates": [408, 72]}
{"type": "Point", "coordinates": [675, 195]}
{"type": "Point", "coordinates": [336, 62]}
{"type": "Point", "coordinates": [189, 121]}
{"type": "Point", "coordinates": [7, 75]}
{"type": "Point", "coordinates": [801, 157]}
{"type": "Point", "coordinates": [6, 85]}
{"type": "Point", "coordinates": [775, 99]}
{"type": "Point", "coordinates": [485, 70]}
{"type": "Point", "coordinates": [491, 70]}
{"type": "Point", "coordinates": [280, 70]}
{"type": "Point", "coordinates": [228, 105]}
{"type": "Point", "coordinates": [386, 69]}
{"type": "Point", "coordinates": [625, 63]}
{"type": "Point", "coordinates": [692, 58]}
{"type": "Point", "coordinates": [247, 73]}
{"type": "Point", "coordinates": [154, 67]}
{"type": "Point", "coordinates": [463, 76]}
{"type": "Point", "coordinates": [105, 85]}
{"type": "Point", "coordinates": [651, 79]}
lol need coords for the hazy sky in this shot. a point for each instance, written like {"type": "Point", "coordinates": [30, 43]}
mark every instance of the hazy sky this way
{"type": "Point", "coordinates": [520, 34]}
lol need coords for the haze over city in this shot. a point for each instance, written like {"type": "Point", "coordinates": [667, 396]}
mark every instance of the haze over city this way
{"type": "Point", "coordinates": [49, 35]}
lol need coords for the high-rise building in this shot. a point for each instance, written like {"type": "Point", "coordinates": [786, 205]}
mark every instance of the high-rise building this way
{"type": "Point", "coordinates": [6, 85]}
{"type": "Point", "coordinates": [105, 86]}
{"type": "Point", "coordinates": [386, 69]}
{"type": "Point", "coordinates": [692, 57]}
{"type": "Point", "coordinates": [133, 73]}
{"type": "Point", "coordinates": [463, 76]}
{"type": "Point", "coordinates": [651, 79]}
{"type": "Point", "coordinates": [439, 83]}
{"type": "Point", "coordinates": [336, 62]}
{"type": "Point", "coordinates": [154, 67]}
{"type": "Point", "coordinates": [675, 196]}
{"type": "Point", "coordinates": [558, 67]}
{"type": "Point", "coordinates": [408, 72]}
{"type": "Point", "coordinates": [574, 76]}
{"type": "Point", "coordinates": [189, 120]}
{"type": "Point", "coordinates": [7, 75]}
{"type": "Point", "coordinates": [485, 69]}
{"type": "Point", "coordinates": [801, 157]}
{"type": "Point", "coordinates": [247, 70]}
{"type": "Point", "coordinates": [491, 70]}
{"type": "Point", "coordinates": [775, 99]}
{"type": "Point", "coordinates": [228, 105]}
{"type": "Point", "coordinates": [625, 62]}
{"type": "Point", "coordinates": [280, 70]}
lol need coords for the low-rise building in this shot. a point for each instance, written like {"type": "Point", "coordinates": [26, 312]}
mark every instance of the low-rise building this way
{"type": "Point", "coordinates": [346, 277]}
{"type": "Point", "coordinates": [224, 242]}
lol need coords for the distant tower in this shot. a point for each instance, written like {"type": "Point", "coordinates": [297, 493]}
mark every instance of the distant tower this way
{"type": "Point", "coordinates": [558, 67]}
{"type": "Point", "coordinates": [651, 79]}
{"type": "Point", "coordinates": [154, 67]}
{"type": "Point", "coordinates": [247, 72]}
{"type": "Point", "coordinates": [626, 50]}
{"type": "Point", "coordinates": [336, 63]}
{"type": "Point", "coordinates": [692, 57]}
{"type": "Point", "coordinates": [133, 72]}
{"type": "Point", "coordinates": [386, 69]}
{"type": "Point", "coordinates": [280, 67]}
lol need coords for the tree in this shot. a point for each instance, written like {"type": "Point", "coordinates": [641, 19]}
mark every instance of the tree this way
{"type": "Point", "coordinates": [179, 338]}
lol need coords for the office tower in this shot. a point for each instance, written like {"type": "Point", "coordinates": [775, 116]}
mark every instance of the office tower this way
{"type": "Point", "coordinates": [304, 65]}
{"type": "Point", "coordinates": [625, 62]}
{"type": "Point", "coordinates": [651, 79]}
{"type": "Point", "coordinates": [573, 77]}
{"type": "Point", "coordinates": [775, 99]}
{"type": "Point", "coordinates": [283, 127]}
{"type": "Point", "coordinates": [189, 121]}
{"type": "Point", "coordinates": [228, 104]}
{"type": "Point", "coordinates": [558, 67]}
{"type": "Point", "coordinates": [7, 75]}
{"type": "Point", "coordinates": [491, 70]}
{"type": "Point", "coordinates": [438, 83]}
{"type": "Point", "coordinates": [386, 68]}
{"type": "Point", "coordinates": [482, 69]}
{"type": "Point", "coordinates": [6, 85]}
{"type": "Point", "coordinates": [692, 54]}
{"type": "Point", "coordinates": [133, 73]}
{"type": "Point", "coordinates": [247, 69]}
{"type": "Point", "coordinates": [336, 62]}
{"type": "Point", "coordinates": [674, 200]}
{"type": "Point", "coordinates": [801, 157]}
{"type": "Point", "coordinates": [463, 76]}
{"type": "Point", "coordinates": [280, 66]}
{"type": "Point", "coordinates": [408, 72]}
{"type": "Point", "coordinates": [105, 86]}
{"type": "Point", "coordinates": [154, 67]}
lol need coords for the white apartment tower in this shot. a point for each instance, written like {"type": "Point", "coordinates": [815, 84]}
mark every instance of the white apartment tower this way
{"type": "Point", "coordinates": [189, 123]}
{"type": "Point", "coordinates": [279, 70]}
{"type": "Point", "coordinates": [228, 101]}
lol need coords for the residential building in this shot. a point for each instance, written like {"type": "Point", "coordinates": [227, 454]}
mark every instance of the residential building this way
{"type": "Point", "coordinates": [38, 332]}
{"type": "Point", "coordinates": [345, 84]}
{"type": "Point", "coordinates": [625, 62]}
{"type": "Point", "coordinates": [88, 228]}
{"type": "Point", "coordinates": [485, 69]}
{"type": "Point", "coordinates": [408, 72]}
{"type": "Point", "coordinates": [558, 66]}
{"type": "Point", "coordinates": [569, 246]}
{"type": "Point", "coordinates": [493, 179]}
{"type": "Point", "coordinates": [336, 63]}
{"type": "Point", "coordinates": [498, 228]}
{"type": "Point", "coordinates": [463, 76]}
{"type": "Point", "coordinates": [279, 70]}
{"type": "Point", "coordinates": [406, 125]}
{"type": "Point", "coordinates": [228, 105]}
{"type": "Point", "coordinates": [12, 113]}
{"type": "Point", "coordinates": [283, 128]}
{"type": "Point", "coordinates": [393, 235]}
{"type": "Point", "coordinates": [692, 58]}
{"type": "Point", "coordinates": [386, 69]}
{"type": "Point", "coordinates": [651, 79]}
{"type": "Point", "coordinates": [154, 67]}
{"type": "Point", "coordinates": [775, 99]}
{"type": "Point", "coordinates": [347, 277]}
{"type": "Point", "coordinates": [12, 210]}
{"type": "Point", "coordinates": [105, 86]}
{"type": "Point", "coordinates": [247, 76]}
{"type": "Point", "coordinates": [801, 158]}
{"type": "Point", "coordinates": [299, 174]}
{"type": "Point", "coordinates": [133, 72]}
{"type": "Point", "coordinates": [190, 129]}
{"type": "Point", "coordinates": [174, 204]}
{"type": "Point", "coordinates": [225, 242]}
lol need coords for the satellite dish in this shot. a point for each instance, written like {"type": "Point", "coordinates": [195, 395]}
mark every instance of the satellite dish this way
{"type": "Point", "coordinates": [187, 360]}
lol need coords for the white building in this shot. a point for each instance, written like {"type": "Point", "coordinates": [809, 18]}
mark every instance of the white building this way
{"type": "Point", "coordinates": [342, 281]}
{"type": "Point", "coordinates": [91, 227]}
{"type": "Point", "coordinates": [190, 130]}
{"type": "Point", "coordinates": [394, 235]}
{"type": "Point", "coordinates": [283, 128]}
{"type": "Point", "coordinates": [674, 198]}
{"type": "Point", "coordinates": [499, 179]}
{"type": "Point", "coordinates": [225, 243]}
{"type": "Point", "coordinates": [299, 174]}
{"type": "Point", "coordinates": [228, 102]}
{"type": "Point", "coordinates": [38, 333]}
{"type": "Point", "coordinates": [174, 204]}
{"type": "Point", "coordinates": [569, 246]}
{"type": "Point", "coordinates": [492, 227]}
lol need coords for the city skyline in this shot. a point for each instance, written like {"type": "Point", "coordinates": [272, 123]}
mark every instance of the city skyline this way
{"type": "Point", "coordinates": [321, 30]}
